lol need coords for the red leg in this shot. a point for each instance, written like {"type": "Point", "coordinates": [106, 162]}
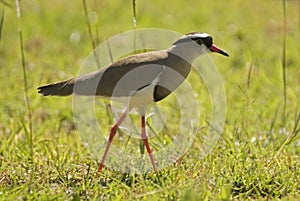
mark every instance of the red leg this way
{"type": "Point", "coordinates": [145, 139]}
{"type": "Point", "coordinates": [113, 132]}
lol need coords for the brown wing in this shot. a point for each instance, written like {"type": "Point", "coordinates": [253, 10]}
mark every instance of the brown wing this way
{"type": "Point", "coordinates": [118, 79]}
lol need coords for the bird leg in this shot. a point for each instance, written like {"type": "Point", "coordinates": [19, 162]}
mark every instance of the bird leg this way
{"type": "Point", "coordinates": [113, 132]}
{"type": "Point", "coordinates": [145, 139]}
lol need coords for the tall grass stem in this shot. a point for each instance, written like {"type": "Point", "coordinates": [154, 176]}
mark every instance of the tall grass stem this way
{"type": "Point", "coordinates": [94, 45]}
{"type": "Point", "coordinates": [284, 60]}
{"type": "Point", "coordinates": [1, 23]}
{"type": "Point", "coordinates": [25, 81]}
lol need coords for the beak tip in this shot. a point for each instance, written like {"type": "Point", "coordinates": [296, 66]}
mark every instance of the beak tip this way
{"type": "Point", "coordinates": [218, 50]}
{"type": "Point", "coordinates": [223, 53]}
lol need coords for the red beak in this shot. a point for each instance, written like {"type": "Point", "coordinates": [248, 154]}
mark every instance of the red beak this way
{"type": "Point", "coordinates": [214, 48]}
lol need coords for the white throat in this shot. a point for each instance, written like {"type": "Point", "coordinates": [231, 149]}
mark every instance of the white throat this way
{"type": "Point", "coordinates": [189, 51]}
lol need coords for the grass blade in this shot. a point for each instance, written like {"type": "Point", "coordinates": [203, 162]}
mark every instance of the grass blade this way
{"type": "Point", "coordinates": [134, 13]}
{"type": "Point", "coordinates": [90, 33]}
{"type": "Point", "coordinates": [6, 3]}
{"type": "Point", "coordinates": [25, 82]}
{"type": "Point", "coordinates": [1, 23]}
{"type": "Point", "coordinates": [284, 60]}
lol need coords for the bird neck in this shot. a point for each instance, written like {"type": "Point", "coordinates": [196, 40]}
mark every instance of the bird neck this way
{"type": "Point", "coordinates": [188, 51]}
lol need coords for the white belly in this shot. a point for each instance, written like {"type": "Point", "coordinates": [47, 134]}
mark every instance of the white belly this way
{"type": "Point", "coordinates": [139, 99]}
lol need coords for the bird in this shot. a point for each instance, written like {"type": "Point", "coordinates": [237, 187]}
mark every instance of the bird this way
{"type": "Point", "coordinates": [138, 80]}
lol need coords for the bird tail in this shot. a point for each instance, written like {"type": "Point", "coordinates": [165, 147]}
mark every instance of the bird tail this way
{"type": "Point", "coordinates": [63, 88]}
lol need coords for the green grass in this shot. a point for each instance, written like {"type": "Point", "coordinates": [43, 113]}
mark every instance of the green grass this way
{"type": "Point", "coordinates": [257, 156]}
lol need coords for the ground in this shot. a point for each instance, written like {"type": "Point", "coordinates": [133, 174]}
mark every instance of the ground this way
{"type": "Point", "coordinates": [256, 156]}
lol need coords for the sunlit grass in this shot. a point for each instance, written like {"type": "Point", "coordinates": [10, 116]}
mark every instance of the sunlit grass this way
{"type": "Point", "coordinates": [257, 156]}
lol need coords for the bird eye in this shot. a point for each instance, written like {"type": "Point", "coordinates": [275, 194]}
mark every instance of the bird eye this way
{"type": "Point", "coordinates": [199, 41]}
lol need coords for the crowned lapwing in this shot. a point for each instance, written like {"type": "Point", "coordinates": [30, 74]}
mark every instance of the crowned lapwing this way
{"type": "Point", "coordinates": [138, 80]}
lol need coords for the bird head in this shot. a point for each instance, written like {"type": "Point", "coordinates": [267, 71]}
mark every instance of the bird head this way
{"type": "Point", "coordinates": [202, 39]}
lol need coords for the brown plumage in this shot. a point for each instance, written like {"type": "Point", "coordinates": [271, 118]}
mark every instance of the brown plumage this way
{"type": "Point", "coordinates": [145, 68]}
